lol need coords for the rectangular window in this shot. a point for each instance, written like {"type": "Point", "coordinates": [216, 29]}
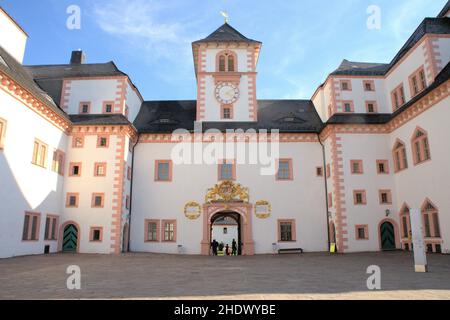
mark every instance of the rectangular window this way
{"type": "Point", "coordinates": [51, 227]}
{"type": "Point", "coordinates": [361, 232]}
{"type": "Point", "coordinates": [108, 106]}
{"type": "Point", "coordinates": [31, 226]}
{"type": "Point", "coordinates": [437, 232]}
{"type": "Point", "coordinates": [356, 166]}
{"type": "Point", "coordinates": [169, 230]}
{"type": "Point", "coordinates": [77, 142]}
{"type": "Point", "coordinates": [398, 97]}
{"type": "Point", "coordinates": [227, 170]}
{"type": "Point", "coordinates": [129, 173]}
{"type": "Point", "coordinates": [385, 196]}
{"type": "Point", "coordinates": [346, 85]}
{"type": "Point", "coordinates": [359, 197]}
{"type": "Point", "coordinates": [151, 230]}
{"type": "Point", "coordinates": [40, 153]}
{"type": "Point", "coordinates": [227, 112]}
{"type": "Point", "coordinates": [382, 166]}
{"type": "Point", "coordinates": [371, 107]}
{"type": "Point", "coordinates": [75, 169]}
{"type": "Point", "coordinates": [369, 85]}
{"type": "Point", "coordinates": [127, 202]}
{"type": "Point", "coordinates": [72, 200]}
{"type": "Point", "coordinates": [348, 106]}
{"type": "Point", "coordinates": [163, 170]}
{"type": "Point", "coordinates": [96, 234]}
{"type": "Point", "coordinates": [58, 162]}
{"type": "Point", "coordinates": [417, 81]}
{"type": "Point", "coordinates": [100, 169]}
{"type": "Point", "coordinates": [285, 171]}
{"type": "Point", "coordinates": [98, 200]}
{"type": "Point", "coordinates": [319, 171]}
{"type": "Point", "coordinates": [426, 220]}
{"type": "Point", "coordinates": [225, 230]}
{"type": "Point", "coordinates": [85, 108]}
{"type": "Point", "coordinates": [102, 142]}
{"type": "Point", "coordinates": [286, 230]}
{"type": "Point", "coordinates": [2, 133]}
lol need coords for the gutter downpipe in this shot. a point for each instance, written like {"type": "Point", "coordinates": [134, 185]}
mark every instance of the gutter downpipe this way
{"type": "Point", "coordinates": [326, 188]}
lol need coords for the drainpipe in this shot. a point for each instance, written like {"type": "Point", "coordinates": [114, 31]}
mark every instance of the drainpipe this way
{"type": "Point", "coordinates": [131, 193]}
{"type": "Point", "coordinates": [326, 188]}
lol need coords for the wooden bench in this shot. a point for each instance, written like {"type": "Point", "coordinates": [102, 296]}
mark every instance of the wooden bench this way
{"type": "Point", "coordinates": [292, 250]}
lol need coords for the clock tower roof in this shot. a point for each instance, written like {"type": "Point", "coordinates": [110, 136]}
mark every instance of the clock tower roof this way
{"type": "Point", "coordinates": [226, 33]}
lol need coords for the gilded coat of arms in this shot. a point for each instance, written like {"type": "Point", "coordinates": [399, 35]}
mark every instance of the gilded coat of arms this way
{"type": "Point", "coordinates": [227, 191]}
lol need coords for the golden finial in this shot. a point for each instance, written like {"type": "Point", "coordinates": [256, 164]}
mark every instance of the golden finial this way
{"type": "Point", "coordinates": [225, 15]}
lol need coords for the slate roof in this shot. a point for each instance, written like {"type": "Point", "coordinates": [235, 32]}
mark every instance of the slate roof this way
{"type": "Point", "coordinates": [428, 25]}
{"type": "Point", "coordinates": [284, 115]}
{"type": "Point", "coordinates": [444, 10]}
{"type": "Point", "coordinates": [50, 77]}
{"type": "Point", "coordinates": [99, 119]}
{"type": "Point", "coordinates": [226, 33]}
{"type": "Point", "coordinates": [18, 73]}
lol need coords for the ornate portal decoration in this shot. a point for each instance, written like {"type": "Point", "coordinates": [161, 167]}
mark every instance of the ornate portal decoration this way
{"type": "Point", "coordinates": [263, 209]}
{"type": "Point", "coordinates": [192, 210]}
{"type": "Point", "coordinates": [227, 191]}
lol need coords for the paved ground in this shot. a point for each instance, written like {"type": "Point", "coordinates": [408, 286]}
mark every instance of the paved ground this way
{"type": "Point", "coordinates": [153, 276]}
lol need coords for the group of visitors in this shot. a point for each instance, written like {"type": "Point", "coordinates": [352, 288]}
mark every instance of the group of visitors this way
{"type": "Point", "coordinates": [226, 249]}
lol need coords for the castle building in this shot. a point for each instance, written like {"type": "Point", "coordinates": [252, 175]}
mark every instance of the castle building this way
{"type": "Point", "coordinates": [88, 166]}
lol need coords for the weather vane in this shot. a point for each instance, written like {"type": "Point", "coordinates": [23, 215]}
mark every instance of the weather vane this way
{"type": "Point", "coordinates": [225, 15]}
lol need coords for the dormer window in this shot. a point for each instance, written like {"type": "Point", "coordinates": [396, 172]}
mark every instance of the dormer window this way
{"type": "Point", "coordinates": [226, 61]}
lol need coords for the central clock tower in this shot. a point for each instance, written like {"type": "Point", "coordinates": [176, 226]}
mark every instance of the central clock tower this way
{"type": "Point", "coordinates": [225, 67]}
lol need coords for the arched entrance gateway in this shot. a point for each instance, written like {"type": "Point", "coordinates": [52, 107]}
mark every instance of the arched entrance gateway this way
{"type": "Point", "coordinates": [228, 199]}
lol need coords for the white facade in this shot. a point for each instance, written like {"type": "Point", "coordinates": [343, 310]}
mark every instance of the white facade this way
{"type": "Point", "coordinates": [314, 204]}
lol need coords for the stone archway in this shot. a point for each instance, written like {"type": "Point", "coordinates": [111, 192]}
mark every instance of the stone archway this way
{"type": "Point", "coordinates": [244, 210]}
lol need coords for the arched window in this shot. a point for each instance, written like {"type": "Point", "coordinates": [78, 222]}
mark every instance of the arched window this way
{"type": "Point", "coordinates": [405, 222]}
{"type": "Point", "coordinates": [430, 220]}
{"type": "Point", "coordinates": [226, 61]}
{"type": "Point", "coordinates": [420, 146]}
{"type": "Point", "coordinates": [399, 154]}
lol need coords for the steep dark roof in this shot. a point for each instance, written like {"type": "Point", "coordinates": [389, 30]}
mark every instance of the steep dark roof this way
{"type": "Point", "coordinates": [226, 33]}
{"type": "Point", "coordinates": [18, 73]}
{"type": "Point", "coordinates": [428, 26]}
{"type": "Point", "coordinates": [444, 10]}
{"type": "Point", "coordinates": [284, 115]}
{"type": "Point", "coordinates": [50, 77]}
{"type": "Point", "coordinates": [99, 119]}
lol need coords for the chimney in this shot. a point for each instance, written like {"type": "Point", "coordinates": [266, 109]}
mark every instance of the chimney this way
{"type": "Point", "coordinates": [78, 57]}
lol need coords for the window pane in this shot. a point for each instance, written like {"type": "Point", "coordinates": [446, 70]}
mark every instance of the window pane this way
{"type": "Point", "coordinates": [361, 233]}
{"type": "Point", "coordinates": [426, 149]}
{"type": "Point", "coordinates": [53, 234]}
{"type": "Point", "coordinates": [230, 63]}
{"type": "Point", "coordinates": [405, 161]}
{"type": "Point", "coordinates": [286, 231]}
{"type": "Point", "coordinates": [152, 229]}
{"type": "Point", "coordinates": [284, 170]}
{"type": "Point", "coordinates": [163, 171]}
{"type": "Point", "coordinates": [226, 171]}
{"type": "Point", "coordinates": [35, 152]}
{"type": "Point", "coordinates": [47, 228]}
{"type": "Point", "coordinates": [437, 232]}
{"type": "Point", "coordinates": [427, 225]}
{"type": "Point", "coordinates": [25, 227]}
{"type": "Point", "coordinates": [405, 227]}
{"type": "Point", "coordinates": [222, 63]}
{"type": "Point", "coordinates": [34, 226]}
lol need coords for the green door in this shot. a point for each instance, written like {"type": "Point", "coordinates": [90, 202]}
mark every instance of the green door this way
{"type": "Point", "coordinates": [70, 239]}
{"type": "Point", "coordinates": [387, 236]}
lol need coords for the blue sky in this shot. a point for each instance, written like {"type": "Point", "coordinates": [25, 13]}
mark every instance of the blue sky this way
{"type": "Point", "coordinates": [303, 40]}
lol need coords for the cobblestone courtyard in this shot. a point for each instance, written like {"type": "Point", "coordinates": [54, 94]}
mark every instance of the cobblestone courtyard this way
{"type": "Point", "coordinates": [153, 276]}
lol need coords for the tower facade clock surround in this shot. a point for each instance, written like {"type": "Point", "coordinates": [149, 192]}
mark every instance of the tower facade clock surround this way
{"type": "Point", "coordinates": [225, 64]}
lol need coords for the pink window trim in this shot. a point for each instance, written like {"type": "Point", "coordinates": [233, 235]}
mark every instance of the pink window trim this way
{"type": "Point", "coordinates": [360, 163]}
{"type": "Point", "coordinates": [372, 85]}
{"type": "Point", "coordinates": [421, 150]}
{"type": "Point", "coordinates": [386, 166]}
{"type": "Point", "coordinates": [420, 87]}
{"type": "Point", "coordinates": [219, 167]}
{"type": "Point", "coordinates": [293, 229]}
{"type": "Point", "coordinates": [96, 166]}
{"type": "Point", "coordinates": [363, 196]}
{"type": "Point", "coordinates": [366, 231]}
{"type": "Point", "coordinates": [104, 107]}
{"type": "Point", "coordinates": [349, 85]}
{"type": "Point", "coordinates": [291, 170]}
{"type": "Point", "coordinates": [74, 144]}
{"type": "Point", "coordinates": [30, 226]}
{"type": "Point", "coordinates": [375, 106]}
{"type": "Point", "coordinates": [80, 108]}
{"type": "Point", "coordinates": [91, 234]}
{"type": "Point", "coordinates": [400, 152]}
{"type": "Point", "coordinates": [99, 138]}
{"type": "Point", "coordinates": [158, 230]}
{"type": "Point", "coordinates": [389, 196]}
{"type": "Point", "coordinates": [352, 106]}
{"type": "Point", "coordinates": [399, 95]}
{"type": "Point", "coordinates": [2, 133]}
{"type": "Point", "coordinates": [72, 165]}
{"type": "Point", "coordinates": [163, 228]}
{"type": "Point", "coordinates": [95, 195]}
{"type": "Point", "coordinates": [157, 162]}
{"type": "Point", "coordinates": [222, 110]}
{"type": "Point", "coordinates": [77, 199]}
{"type": "Point", "coordinates": [229, 52]}
{"type": "Point", "coordinates": [54, 220]}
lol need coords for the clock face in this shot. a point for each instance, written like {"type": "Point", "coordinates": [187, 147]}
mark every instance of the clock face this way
{"type": "Point", "coordinates": [227, 93]}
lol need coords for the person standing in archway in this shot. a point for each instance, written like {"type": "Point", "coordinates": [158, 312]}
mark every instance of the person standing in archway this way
{"type": "Point", "coordinates": [234, 248]}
